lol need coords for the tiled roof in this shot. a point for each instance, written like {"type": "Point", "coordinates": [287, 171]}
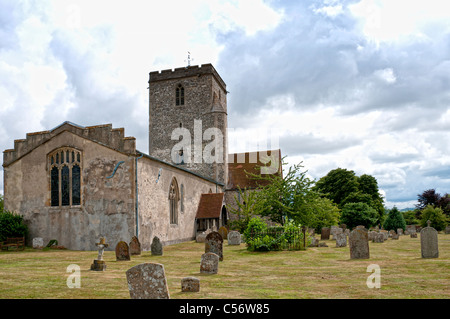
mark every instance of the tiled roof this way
{"type": "Point", "coordinates": [210, 205]}
{"type": "Point", "coordinates": [240, 164]}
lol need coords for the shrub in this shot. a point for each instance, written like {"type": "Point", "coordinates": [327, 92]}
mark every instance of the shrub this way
{"type": "Point", "coordinates": [354, 214]}
{"type": "Point", "coordinates": [394, 220]}
{"type": "Point", "coordinates": [435, 215]}
{"type": "Point", "coordinates": [12, 225]}
{"type": "Point", "coordinates": [410, 217]}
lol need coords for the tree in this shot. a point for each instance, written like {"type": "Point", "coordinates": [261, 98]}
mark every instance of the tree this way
{"type": "Point", "coordinates": [2, 203]}
{"type": "Point", "coordinates": [354, 214]}
{"type": "Point", "coordinates": [410, 217]}
{"type": "Point", "coordinates": [337, 185]}
{"type": "Point", "coordinates": [324, 213]}
{"type": "Point", "coordinates": [12, 225]}
{"type": "Point", "coordinates": [428, 197]}
{"type": "Point", "coordinates": [435, 215]}
{"type": "Point", "coordinates": [245, 209]}
{"type": "Point", "coordinates": [394, 220]}
{"type": "Point", "coordinates": [444, 204]}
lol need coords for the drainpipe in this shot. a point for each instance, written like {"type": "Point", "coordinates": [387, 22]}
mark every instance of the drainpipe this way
{"type": "Point", "coordinates": [137, 194]}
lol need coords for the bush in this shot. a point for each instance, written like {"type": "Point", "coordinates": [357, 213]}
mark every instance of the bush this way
{"type": "Point", "coordinates": [354, 214]}
{"type": "Point", "coordinates": [435, 215]}
{"type": "Point", "coordinates": [410, 217]}
{"type": "Point", "coordinates": [394, 220]}
{"type": "Point", "coordinates": [12, 225]}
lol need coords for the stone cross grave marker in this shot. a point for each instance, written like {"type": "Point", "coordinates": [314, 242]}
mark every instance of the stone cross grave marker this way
{"type": "Point", "coordinates": [122, 251]}
{"type": "Point", "coordinates": [429, 242]}
{"type": "Point", "coordinates": [135, 246]}
{"type": "Point", "coordinates": [209, 263]}
{"type": "Point", "coordinates": [359, 244]}
{"type": "Point", "coordinates": [147, 281]}
{"type": "Point", "coordinates": [156, 247]}
{"type": "Point", "coordinates": [214, 244]}
{"type": "Point", "coordinates": [99, 264]}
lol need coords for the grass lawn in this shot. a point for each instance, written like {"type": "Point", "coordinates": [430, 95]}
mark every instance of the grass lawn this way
{"type": "Point", "coordinates": [319, 272]}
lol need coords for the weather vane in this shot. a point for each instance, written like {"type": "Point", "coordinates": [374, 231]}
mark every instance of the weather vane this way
{"type": "Point", "coordinates": [189, 59]}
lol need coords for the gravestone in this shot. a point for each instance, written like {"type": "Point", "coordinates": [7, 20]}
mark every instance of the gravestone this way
{"type": "Point", "coordinates": [447, 229]}
{"type": "Point", "coordinates": [359, 244]}
{"type": "Point", "coordinates": [234, 238]}
{"type": "Point", "coordinates": [392, 232]}
{"type": "Point", "coordinates": [214, 244]}
{"type": "Point", "coordinates": [429, 242]}
{"type": "Point", "coordinates": [314, 242]}
{"type": "Point", "coordinates": [341, 240]}
{"type": "Point", "coordinates": [371, 234]}
{"type": "Point", "coordinates": [322, 244]}
{"type": "Point", "coordinates": [336, 232]}
{"type": "Point", "coordinates": [190, 284]}
{"type": "Point", "coordinates": [122, 251]}
{"type": "Point", "coordinates": [99, 264]}
{"type": "Point", "coordinates": [325, 234]}
{"type": "Point", "coordinates": [395, 236]}
{"type": "Point", "coordinates": [201, 237]}
{"type": "Point", "coordinates": [385, 234]}
{"type": "Point", "coordinates": [209, 263]}
{"type": "Point", "coordinates": [411, 229]}
{"type": "Point", "coordinates": [223, 231]}
{"type": "Point", "coordinates": [413, 235]}
{"type": "Point", "coordinates": [156, 247]}
{"type": "Point", "coordinates": [38, 243]}
{"type": "Point", "coordinates": [147, 281]}
{"type": "Point", "coordinates": [378, 238]}
{"type": "Point", "coordinates": [400, 231]}
{"type": "Point", "coordinates": [135, 246]}
{"type": "Point", "coordinates": [333, 230]}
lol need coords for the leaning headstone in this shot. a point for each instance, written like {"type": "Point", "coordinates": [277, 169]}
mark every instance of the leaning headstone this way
{"type": "Point", "coordinates": [147, 281]}
{"type": "Point", "coordinates": [234, 238]}
{"type": "Point", "coordinates": [38, 243]}
{"type": "Point", "coordinates": [223, 231]}
{"type": "Point", "coordinates": [341, 240]}
{"type": "Point", "coordinates": [429, 242]}
{"type": "Point", "coordinates": [190, 284]}
{"type": "Point", "coordinates": [209, 263]}
{"type": "Point", "coordinates": [359, 244]}
{"type": "Point", "coordinates": [156, 247]}
{"type": "Point", "coordinates": [135, 246]}
{"type": "Point", "coordinates": [214, 244]}
{"type": "Point", "coordinates": [447, 229]}
{"type": "Point", "coordinates": [122, 251]}
{"type": "Point", "coordinates": [325, 234]}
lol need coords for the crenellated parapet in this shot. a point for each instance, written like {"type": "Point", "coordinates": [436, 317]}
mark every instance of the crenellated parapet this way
{"type": "Point", "coordinates": [105, 135]}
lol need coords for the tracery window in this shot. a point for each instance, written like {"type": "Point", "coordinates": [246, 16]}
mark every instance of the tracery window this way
{"type": "Point", "coordinates": [65, 177]}
{"type": "Point", "coordinates": [174, 197]}
{"type": "Point", "coordinates": [179, 95]}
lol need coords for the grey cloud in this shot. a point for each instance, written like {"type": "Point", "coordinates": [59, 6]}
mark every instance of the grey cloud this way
{"type": "Point", "coordinates": [308, 144]}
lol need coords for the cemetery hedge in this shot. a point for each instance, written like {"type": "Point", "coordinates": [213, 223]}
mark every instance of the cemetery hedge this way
{"type": "Point", "coordinates": [12, 225]}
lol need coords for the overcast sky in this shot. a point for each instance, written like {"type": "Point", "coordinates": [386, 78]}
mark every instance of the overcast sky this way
{"type": "Point", "coordinates": [362, 85]}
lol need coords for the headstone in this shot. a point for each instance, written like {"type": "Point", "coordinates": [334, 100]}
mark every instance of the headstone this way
{"type": "Point", "coordinates": [337, 231]}
{"type": "Point", "coordinates": [395, 236]}
{"type": "Point", "coordinates": [447, 229]}
{"type": "Point", "coordinates": [385, 234]}
{"type": "Point", "coordinates": [378, 238]}
{"type": "Point", "coordinates": [413, 235]}
{"type": "Point", "coordinates": [135, 246]}
{"type": "Point", "coordinates": [400, 231]}
{"type": "Point", "coordinates": [314, 242]}
{"type": "Point", "coordinates": [392, 232]}
{"type": "Point", "coordinates": [99, 264]}
{"type": "Point", "coordinates": [214, 244]}
{"type": "Point", "coordinates": [209, 263]}
{"type": "Point", "coordinates": [359, 244]}
{"type": "Point", "coordinates": [341, 240]}
{"type": "Point", "coordinates": [411, 229]}
{"type": "Point", "coordinates": [322, 244]}
{"type": "Point", "coordinates": [325, 234]}
{"type": "Point", "coordinates": [156, 247]}
{"type": "Point", "coordinates": [362, 227]}
{"type": "Point", "coordinates": [223, 231]}
{"type": "Point", "coordinates": [38, 243]}
{"type": "Point", "coordinates": [333, 230]}
{"type": "Point", "coordinates": [190, 284]}
{"type": "Point", "coordinates": [147, 281]}
{"type": "Point", "coordinates": [371, 234]}
{"type": "Point", "coordinates": [234, 238]}
{"type": "Point", "coordinates": [429, 242]}
{"type": "Point", "coordinates": [201, 237]}
{"type": "Point", "coordinates": [122, 251]}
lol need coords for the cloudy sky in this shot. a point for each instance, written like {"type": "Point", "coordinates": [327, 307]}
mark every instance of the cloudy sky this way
{"type": "Point", "coordinates": [362, 85]}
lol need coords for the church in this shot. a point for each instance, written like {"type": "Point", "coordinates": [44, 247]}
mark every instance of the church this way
{"type": "Point", "coordinates": [76, 184]}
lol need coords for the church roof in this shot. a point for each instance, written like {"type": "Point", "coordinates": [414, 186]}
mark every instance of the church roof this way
{"type": "Point", "coordinates": [240, 164]}
{"type": "Point", "coordinates": [210, 205]}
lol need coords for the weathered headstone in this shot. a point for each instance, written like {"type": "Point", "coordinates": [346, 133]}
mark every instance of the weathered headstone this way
{"type": "Point", "coordinates": [209, 263]}
{"type": "Point", "coordinates": [378, 238]}
{"type": "Point", "coordinates": [223, 231]}
{"type": "Point", "coordinates": [122, 251]}
{"type": "Point", "coordinates": [395, 236]}
{"type": "Point", "coordinates": [38, 243]}
{"type": "Point", "coordinates": [156, 247]}
{"type": "Point", "coordinates": [385, 234]}
{"type": "Point", "coordinates": [400, 231]}
{"type": "Point", "coordinates": [234, 238]}
{"type": "Point", "coordinates": [314, 242]}
{"type": "Point", "coordinates": [371, 234]}
{"type": "Point", "coordinates": [99, 264]}
{"type": "Point", "coordinates": [190, 284]}
{"type": "Point", "coordinates": [429, 242]}
{"type": "Point", "coordinates": [333, 230]}
{"type": "Point", "coordinates": [341, 240]}
{"type": "Point", "coordinates": [214, 244]}
{"type": "Point", "coordinates": [325, 234]}
{"type": "Point", "coordinates": [411, 229]}
{"type": "Point", "coordinates": [392, 232]}
{"type": "Point", "coordinates": [201, 237]}
{"type": "Point", "coordinates": [359, 244]}
{"type": "Point", "coordinates": [147, 281]}
{"type": "Point", "coordinates": [447, 229]}
{"type": "Point", "coordinates": [413, 235]}
{"type": "Point", "coordinates": [135, 246]}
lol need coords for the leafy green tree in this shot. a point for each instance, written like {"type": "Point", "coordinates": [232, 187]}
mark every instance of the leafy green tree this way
{"type": "Point", "coordinates": [435, 215]}
{"type": "Point", "coordinates": [325, 213]}
{"type": "Point", "coordinates": [410, 217]}
{"type": "Point", "coordinates": [354, 214]}
{"type": "Point", "coordinates": [12, 225]}
{"type": "Point", "coordinates": [245, 209]}
{"type": "Point", "coordinates": [337, 185]}
{"type": "Point", "coordinates": [394, 220]}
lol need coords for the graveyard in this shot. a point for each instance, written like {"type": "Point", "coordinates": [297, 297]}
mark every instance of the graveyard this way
{"type": "Point", "coordinates": [315, 273]}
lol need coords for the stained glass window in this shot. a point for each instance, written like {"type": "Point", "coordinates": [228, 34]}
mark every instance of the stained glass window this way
{"type": "Point", "coordinates": [76, 185]}
{"type": "Point", "coordinates": [54, 186]}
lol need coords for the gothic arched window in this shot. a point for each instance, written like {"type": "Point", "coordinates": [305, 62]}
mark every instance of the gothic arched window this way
{"type": "Point", "coordinates": [179, 95]}
{"type": "Point", "coordinates": [65, 177]}
{"type": "Point", "coordinates": [174, 197]}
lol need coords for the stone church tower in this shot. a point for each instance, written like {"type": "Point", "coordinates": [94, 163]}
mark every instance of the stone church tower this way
{"type": "Point", "coordinates": [188, 120]}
